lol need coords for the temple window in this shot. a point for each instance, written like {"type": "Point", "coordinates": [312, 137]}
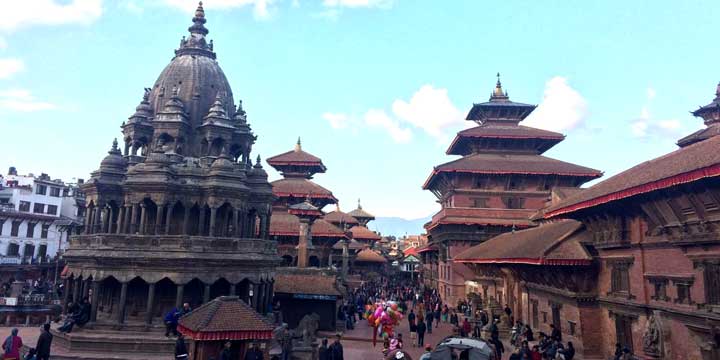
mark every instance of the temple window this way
{"type": "Point", "coordinates": [623, 330]}
{"type": "Point", "coordinates": [712, 282]}
{"type": "Point", "coordinates": [660, 289]}
{"type": "Point", "coordinates": [683, 291]}
{"type": "Point", "coordinates": [620, 277]}
{"type": "Point", "coordinates": [479, 202]}
{"type": "Point", "coordinates": [513, 202]}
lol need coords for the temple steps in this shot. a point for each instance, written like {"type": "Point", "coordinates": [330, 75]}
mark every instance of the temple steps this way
{"type": "Point", "coordinates": [123, 342]}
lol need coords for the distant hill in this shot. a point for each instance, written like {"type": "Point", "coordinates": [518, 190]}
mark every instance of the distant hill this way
{"type": "Point", "coordinates": [398, 226]}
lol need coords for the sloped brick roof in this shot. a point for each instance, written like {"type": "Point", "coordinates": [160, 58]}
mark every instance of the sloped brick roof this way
{"type": "Point", "coordinates": [301, 188]}
{"type": "Point", "coordinates": [306, 284]}
{"type": "Point", "coordinates": [557, 243]}
{"type": "Point", "coordinates": [509, 131]}
{"type": "Point", "coordinates": [691, 163]}
{"type": "Point", "coordinates": [368, 255]}
{"type": "Point", "coordinates": [295, 157]}
{"type": "Point", "coordinates": [285, 224]}
{"type": "Point", "coordinates": [225, 318]}
{"type": "Point", "coordinates": [338, 217]}
{"type": "Point", "coordinates": [363, 233]}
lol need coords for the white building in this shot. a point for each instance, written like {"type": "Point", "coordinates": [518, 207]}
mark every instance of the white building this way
{"type": "Point", "coordinates": [36, 216]}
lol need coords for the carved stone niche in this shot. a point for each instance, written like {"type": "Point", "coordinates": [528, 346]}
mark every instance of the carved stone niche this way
{"type": "Point", "coordinates": [655, 337]}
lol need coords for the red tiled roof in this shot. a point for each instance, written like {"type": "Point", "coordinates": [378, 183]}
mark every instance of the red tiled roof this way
{"type": "Point", "coordinates": [306, 284]}
{"type": "Point", "coordinates": [493, 163]}
{"type": "Point", "coordinates": [301, 188]}
{"type": "Point", "coordinates": [509, 131]}
{"type": "Point", "coordinates": [285, 224]}
{"type": "Point", "coordinates": [338, 217]}
{"type": "Point", "coordinates": [557, 243]}
{"type": "Point", "coordinates": [368, 255]}
{"type": "Point", "coordinates": [225, 318]}
{"type": "Point", "coordinates": [428, 248]}
{"type": "Point", "coordinates": [479, 216]}
{"type": "Point", "coordinates": [363, 233]}
{"type": "Point", "coordinates": [691, 163]}
{"type": "Point", "coordinates": [353, 245]}
{"type": "Point", "coordinates": [359, 213]}
{"type": "Point", "coordinates": [295, 157]}
{"type": "Point", "coordinates": [411, 251]}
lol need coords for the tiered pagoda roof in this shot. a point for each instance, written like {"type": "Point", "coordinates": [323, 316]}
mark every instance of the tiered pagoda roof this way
{"type": "Point", "coordinates": [340, 218]}
{"type": "Point", "coordinates": [297, 163]}
{"type": "Point", "coordinates": [370, 256]}
{"type": "Point", "coordinates": [286, 224]}
{"type": "Point", "coordinates": [363, 234]}
{"type": "Point", "coordinates": [711, 114]}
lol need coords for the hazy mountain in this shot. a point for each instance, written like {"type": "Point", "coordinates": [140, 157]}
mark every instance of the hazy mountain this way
{"type": "Point", "coordinates": [398, 226]}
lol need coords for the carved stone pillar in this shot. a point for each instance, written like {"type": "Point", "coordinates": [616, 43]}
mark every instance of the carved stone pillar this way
{"type": "Point", "coordinates": [206, 294]}
{"type": "Point", "coordinates": [122, 304]}
{"type": "Point", "coordinates": [111, 214]}
{"type": "Point", "coordinates": [232, 289]}
{"type": "Point", "coordinates": [168, 218]}
{"type": "Point", "coordinates": [94, 300]}
{"type": "Point", "coordinates": [254, 297]}
{"type": "Point", "coordinates": [103, 220]}
{"type": "Point", "coordinates": [88, 220]}
{"type": "Point", "coordinates": [345, 259]}
{"type": "Point", "coordinates": [134, 210]}
{"type": "Point", "coordinates": [127, 223]}
{"type": "Point", "coordinates": [150, 304]}
{"type": "Point", "coordinates": [179, 296]}
{"type": "Point", "coordinates": [159, 215]}
{"type": "Point", "coordinates": [96, 220]}
{"type": "Point", "coordinates": [76, 290]}
{"type": "Point", "coordinates": [120, 223]}
{"type": "Point", "coordinates": [213, 219]}
{"type": "Point", "coordinates": [201, 222]}
{"type": "Point", "coordinates": [305, 243]}
{"type": "Point", "coordinates": [186, 221]}
{"type": "Point", "coordinates": [66, 294]}
{"type": "Point", "coordinates": [261, 298]}
{"type": "Point", "coordinates": [143, 219]}
{"type": "Point", "coordinates": [236, 224]}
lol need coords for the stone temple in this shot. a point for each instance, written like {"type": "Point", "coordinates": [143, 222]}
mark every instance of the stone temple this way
{"type": "Point", "coordinates": [180, 214]}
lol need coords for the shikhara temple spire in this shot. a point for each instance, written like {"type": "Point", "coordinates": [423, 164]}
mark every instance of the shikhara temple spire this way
{"type": "Point", "coordinates": [298, 145]}
{"type": "Point", "coordinates": [498, 94]}
{"type": "Point", "coordinates": [196, 43]}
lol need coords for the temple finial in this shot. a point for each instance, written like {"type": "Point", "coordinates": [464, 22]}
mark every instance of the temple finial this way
{"type": "Point", "coordinates": [359, 206]}
{"type": "Point", "coordinates": [298, 145]}
{"type": "Point", "coordinates": [498, 85]}
{"type": "Point", "coordinates": [257, 161]}
{"type": "Point", "coordinates": [498, 93]}
{"type": "Point", "coordinates": [115, 144]}
{"type": "Point", "coordinates": [198, 26]}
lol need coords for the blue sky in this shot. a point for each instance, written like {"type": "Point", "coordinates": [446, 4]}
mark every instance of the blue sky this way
{"type": "Point", "coordinates": [375, 88]}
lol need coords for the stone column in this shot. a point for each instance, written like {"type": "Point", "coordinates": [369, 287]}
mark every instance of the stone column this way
{"type": "Point", "coordinates": [268, 297]}
{"type": "Point", "coordinates": [88, 220]}
{"type": "Point", "coordinates": [179, 296]}
{"type": "Point", "coordinates": [111, 213]}
{"type": "Point", "coordinates": [66, 294]}
{"type": "Point", "coordinates": [96, 220]}
{"type": "Point", "coordinates": [232, 289]}
{"type": "Point", "coordinates": [122, 304]}
{"type": "Point", "coordinates": [143, 219]}
{"type": "Point", "coordinates": [186, 221]}
{"type": "Point", "coordinates": [86, 288]}
{"type": "Point", "coordinates": [159, 215]}
{"type": "Point", "coordinates": [168, 217]}
{"type": "Point", "coordinates": [254, 298]}
{"type": "Point", "coordinates": [260, 298]}
{"type": "Point", "coordinates": [120, 223]}
{"type": "Point", "coordinates": [345, 259]}
{"type": "Point", "coordinates": [236, 224]}
{"type": "Point", "coordinates": [94, 300]}
{"type": "Point", "coordinates": [201, 222]}
{"type": "Point", "coordinates": [206, 294]}
{"type": "Point", "coordinates": [133, 218]}
{"type": "Point", "coordinates": [127, 228]}
{"type": "Point", "coordinates": [150, 304]}
{"type": "Point", "coordinates": [304, 243]}
{"type": "Point", "coordinates": [226, 223]}
{"type": "Point", "coordinates": [103, 220]}
{"type": "Point", "coordinates": [76, 290]}
{"type": "Point", "coordinates": [213, 219]}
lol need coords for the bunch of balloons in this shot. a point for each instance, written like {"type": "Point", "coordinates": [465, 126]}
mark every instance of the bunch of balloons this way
{"type": "Point", "coordinates": [383, 317]}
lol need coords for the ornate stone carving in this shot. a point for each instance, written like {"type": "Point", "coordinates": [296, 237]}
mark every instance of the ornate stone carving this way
{"type": "Point", "coordinates": [306, 331]}
{"type": "Point", "coordinates": [653, 337]}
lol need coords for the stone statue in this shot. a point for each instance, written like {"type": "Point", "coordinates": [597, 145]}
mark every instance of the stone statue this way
{"type": "Point", "coordinates": [307, 329]}
{"type": "Point", "coordinates": [653, 337]}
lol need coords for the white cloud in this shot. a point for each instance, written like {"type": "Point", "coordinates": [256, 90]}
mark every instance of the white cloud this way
{"type": "Point", "coordinates": [359, 3]}
{"type": "Point", "coordinates": [10, 66]}
{"type": "Point", "coordinates": [49, 12]}
{"type": "Point", "coordinates": [261, 8]}
{"type": "Point", "coordinates": [132, 6]}
{"type": "Point", "coordinates": [563, 108]}
{"type": "Point", "coordinates": [378, 118]}
{"type": "Point", "coordinates": [21, 100]}
{"type": "Point", "coordinates": [429, 109]}
{"type": "Point", "coordinates": [646, 126]}
{"type": "Point", "coordinates": [337, 120]}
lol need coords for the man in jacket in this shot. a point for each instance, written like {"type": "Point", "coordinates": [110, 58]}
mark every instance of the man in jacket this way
{"type": "Point", "coordinates": [421, 332]}
{"type": "Point", "coordinates": [336, 349]}
{"type": "Point", "coordinates": [44, 343]}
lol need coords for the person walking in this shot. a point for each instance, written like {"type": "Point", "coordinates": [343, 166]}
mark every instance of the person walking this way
{"type": "Point", "coordinates": [421, 332]}
{"type": "Point", "coordinates": [336, 349]}
{"type": "Point", "coordinates": [12, 345]}
{"type": "Point", "coordinates": [42, 348]}
{"type": "Point", "coordinates": [429, 321]}
{"type": "Point", "coordinates": [465, 328]}
{"type": "Point", "coordinates": [181, 352]}
{"type": "Point", "coordinates": [413, 327]}
{"type": "Point", "coordinates": [226, 353]}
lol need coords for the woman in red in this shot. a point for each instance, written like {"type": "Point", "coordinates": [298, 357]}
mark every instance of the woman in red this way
{"type": "Point", "coordinates": [11, 346]}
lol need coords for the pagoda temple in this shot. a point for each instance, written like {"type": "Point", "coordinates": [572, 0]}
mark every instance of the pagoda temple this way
{"type": "Point", "coordinates": [498, 183]}
{"type": "Point", "coordinates": [181, 215]}
{"type": "Point", "coordinates": [298, 168]}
